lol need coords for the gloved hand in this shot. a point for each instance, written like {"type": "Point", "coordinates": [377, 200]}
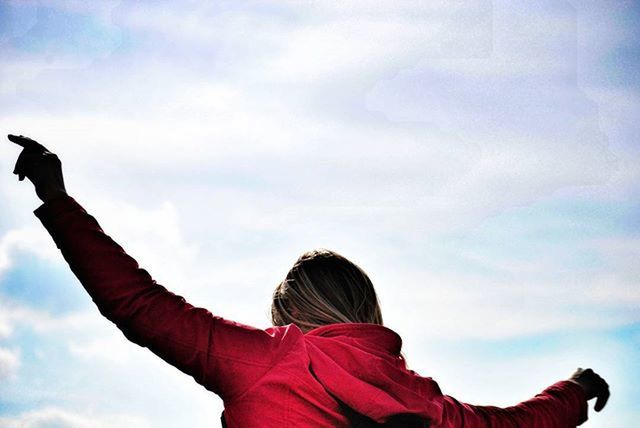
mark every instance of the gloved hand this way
{"type": "Point", "coordinates": [40, 166]}
{"type": "Point", "coordinates": [593, 386]}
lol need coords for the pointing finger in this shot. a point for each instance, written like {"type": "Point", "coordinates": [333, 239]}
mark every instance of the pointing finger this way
{"type": "Point", "coordinates": [26, 142]}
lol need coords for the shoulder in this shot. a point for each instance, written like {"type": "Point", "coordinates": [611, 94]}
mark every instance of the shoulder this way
{"type": "Point", "coordinates": [240, 341]}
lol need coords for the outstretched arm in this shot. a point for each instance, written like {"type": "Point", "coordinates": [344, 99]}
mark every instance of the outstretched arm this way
{"type": "Point", "coordinates": [224, 356]}
{"type": "Point", "coordinates": [562, 405]}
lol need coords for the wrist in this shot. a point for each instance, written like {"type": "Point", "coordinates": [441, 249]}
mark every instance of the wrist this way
{"type": "Point", "coordinates": [583, 386]}
{"type": "Point", "coordinates": [49, 195]}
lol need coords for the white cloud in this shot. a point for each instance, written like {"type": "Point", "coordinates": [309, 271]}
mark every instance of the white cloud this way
{"type": "Point", "coordinates": [279, 135]}
{"type": "Point", "coordinates": [9, 363]}
{"type": "Point", "coordinates": [25, 239]}
{"type": "Point", "coordinates": [55, 417]}
{"type": "Point", "coordinates": [111, 348]}
{"type": "Point", "coordinates": [5, 328]}
{"type": "Point", "coordinates": [153, 237]}
{"type": "Point", "coordinates": [477, 307]}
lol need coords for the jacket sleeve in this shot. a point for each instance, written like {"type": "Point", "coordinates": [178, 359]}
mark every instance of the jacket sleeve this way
{"type": "Point", "coordinates": [224, 356]}
{"type": "Point", "coordinates": [562, 405]}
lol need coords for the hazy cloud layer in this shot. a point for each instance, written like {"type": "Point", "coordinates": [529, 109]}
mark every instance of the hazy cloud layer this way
{"type": "Point", "coordinates": [479, 160]}
{"type": "Point", "coordinates": [54, 417]}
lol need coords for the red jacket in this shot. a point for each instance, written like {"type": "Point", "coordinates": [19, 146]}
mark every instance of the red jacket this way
{"type": "Point", "coordinates": [277, 377]}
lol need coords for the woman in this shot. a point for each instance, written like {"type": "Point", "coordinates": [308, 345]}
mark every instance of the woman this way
{"type": "Point", "coordinates": [328, 361]}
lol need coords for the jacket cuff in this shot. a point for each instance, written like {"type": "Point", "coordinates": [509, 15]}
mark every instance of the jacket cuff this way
{"type": "Point", "coordinates": [56, 207]}
{"type": "Point", "coordinates": [576, 395]}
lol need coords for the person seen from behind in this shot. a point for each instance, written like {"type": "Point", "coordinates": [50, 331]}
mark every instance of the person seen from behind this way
{"type": "Point", "coordinates": [327, 361]}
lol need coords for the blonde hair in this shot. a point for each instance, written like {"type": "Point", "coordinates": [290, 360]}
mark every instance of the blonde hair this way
{"type": "Point", "coordinates": [323, 288]}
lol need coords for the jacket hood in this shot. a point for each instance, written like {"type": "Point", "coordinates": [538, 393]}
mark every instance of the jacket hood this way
{"type": "Point", "coordinates": [361, 365]}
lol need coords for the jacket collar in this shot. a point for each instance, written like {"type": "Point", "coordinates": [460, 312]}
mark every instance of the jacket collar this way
{"type": "Point", "coordinates": [374, 335]}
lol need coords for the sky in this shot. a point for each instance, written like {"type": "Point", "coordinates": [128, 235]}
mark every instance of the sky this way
{"type": "Point", "coordinates": [479, 160]}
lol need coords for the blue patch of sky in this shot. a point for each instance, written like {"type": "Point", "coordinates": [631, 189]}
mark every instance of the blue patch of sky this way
{"type": "Point", "coordinates": [618, 66]}
{"type": "Point", "coordinates": [67, 33]}
{"type": "Point", "coordinates": [524, 346]}
{"type": "Point", "coordinates": [623, 62]}
{"type": "Point", "coordinates": [16, 19]}
{"type": "Point", "coordinates": [44, 285]}
{"type": "Point", "coordinates": [622, 65]}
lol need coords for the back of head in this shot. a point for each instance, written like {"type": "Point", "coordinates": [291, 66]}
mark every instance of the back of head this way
{"type": "Point", "coordinates": [324, 288]}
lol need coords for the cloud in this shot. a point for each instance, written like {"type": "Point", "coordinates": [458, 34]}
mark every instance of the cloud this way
{"type": "Point", "coordinates": [112, 349]}
{"type": "Point", "coordinates": [9, 363]}
{"type": "Point", "coordinates": [56, 417]}
{"type": "Point", "coordinates": [40, 321]}
{"type": "Point", "coordinates": [5, 329]}
{"type": "Point", "coordinates": [28, 239]}
{"type": "Point", "coordinates": [311, 112]}
{"type": "Point", "coordinates": [273, 50]}
{"type": "Point", "coordinates": [436, 144]}
{"type": "Point", "coordinates": [153, 236]}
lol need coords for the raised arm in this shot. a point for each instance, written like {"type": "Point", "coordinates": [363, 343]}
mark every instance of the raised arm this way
{"type": "Point", "coordinates": [224, 356]}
